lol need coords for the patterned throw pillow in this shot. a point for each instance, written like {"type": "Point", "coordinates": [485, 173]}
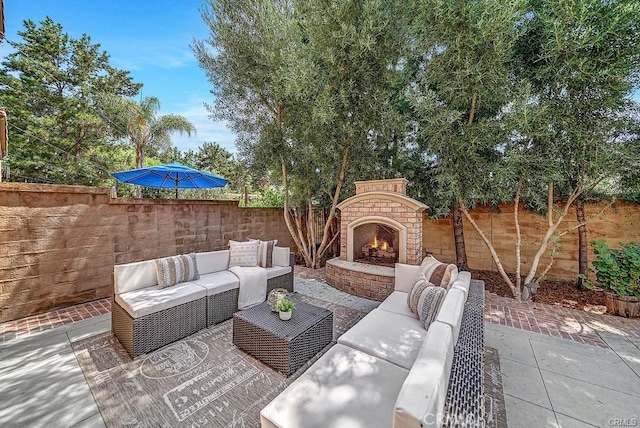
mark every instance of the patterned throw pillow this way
{"type": "Point", "coordinates": [438, 273]}
{"type": "Point", "coordinates": [429, 304]}
{"type": "Point", "coordinates": [418, 286]}
{"type": "Point", "coordinates": [176, 269]}
{"type": "Point", "coordinates": [265, 252]}
{"type": "Point", "coordinates": [243, 253]}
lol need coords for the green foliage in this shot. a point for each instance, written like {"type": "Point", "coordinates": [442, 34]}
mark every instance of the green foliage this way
{"type": "Point", "coordinates": [285, 305]}
{"type": "Point", "coordinates": [49, 84]}
{"type": "Point", "coordinates": [269, 197]}
{"type": "Point", "coordinates": [617, 270]}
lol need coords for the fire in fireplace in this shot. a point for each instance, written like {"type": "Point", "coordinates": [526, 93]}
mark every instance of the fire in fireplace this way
{"type": "Point", "coordinates": [376, 243]}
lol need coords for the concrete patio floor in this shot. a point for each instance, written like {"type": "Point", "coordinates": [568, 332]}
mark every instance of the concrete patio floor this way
{"type": "Point", "coordinates": [547, 381]}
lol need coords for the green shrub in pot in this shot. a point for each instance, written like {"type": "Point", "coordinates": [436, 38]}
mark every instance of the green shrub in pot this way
{"type": "Point", "coordinates": [617, 270]}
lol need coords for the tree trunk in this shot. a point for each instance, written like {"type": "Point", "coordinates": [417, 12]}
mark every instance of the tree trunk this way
{"type": "Point", "coordinates": [582, 242]}
{"type": "Point", "coordinates": [458, 235]}
{"type": "Point", "coordinates": [139, 161]}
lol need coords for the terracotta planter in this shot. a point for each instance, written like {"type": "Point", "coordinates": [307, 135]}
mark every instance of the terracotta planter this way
{"type": "Point", "coordinates": [624, 306]}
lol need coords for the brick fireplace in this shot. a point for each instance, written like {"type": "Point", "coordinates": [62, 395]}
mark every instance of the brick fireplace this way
{"type": "Point", "coordinates": [379, 225]}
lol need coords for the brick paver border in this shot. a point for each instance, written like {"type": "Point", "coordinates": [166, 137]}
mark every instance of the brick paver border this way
{"type": "Point", "coordinates": [558, 321]}
{"type": "Point", "coordinates": [34, 324]}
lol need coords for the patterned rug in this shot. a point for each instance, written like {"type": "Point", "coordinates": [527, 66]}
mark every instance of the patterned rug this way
{"type": "Point", "coordinates": [202, 380]}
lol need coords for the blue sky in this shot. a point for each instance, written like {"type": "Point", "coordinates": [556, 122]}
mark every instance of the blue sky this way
{"type": "Point", "coordinates": [149, 38]}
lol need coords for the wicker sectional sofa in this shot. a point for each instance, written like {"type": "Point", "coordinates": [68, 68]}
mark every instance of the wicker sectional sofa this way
{"type": "Point", "coordinates": [145, 318]}
{"type": "Point", "coordinates": [386, 371]}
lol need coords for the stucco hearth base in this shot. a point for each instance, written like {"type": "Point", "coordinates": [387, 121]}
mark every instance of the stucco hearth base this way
{"type": "Point", "coordinates": [363, 280]}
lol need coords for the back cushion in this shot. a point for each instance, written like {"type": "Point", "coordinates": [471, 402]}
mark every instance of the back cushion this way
{"type": "Point", "coordinates": [281, 256]}
{"type": "Point", "coordinates": [423, 394]}
{"type": "Point", "coordinates": [452, 310]}
{"type": "Point", "coordinates": [243, 253]}
{"type": "Point", "coordinates": [438, 273]}
{"type": "Point", "coordinates": [429, 304]}
{"type": "Point", "coordinates": [176, 269]}
{"type": "Point", "coordinates": [134, 276]}
{"type": "Point", "coordinates": [212, 261]}
{"type": "Point", "coordinates": [404, 276]}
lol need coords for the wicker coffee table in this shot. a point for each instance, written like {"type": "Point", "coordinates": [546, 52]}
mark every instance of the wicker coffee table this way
{"type": "Point", "coordinates": [283, 345]}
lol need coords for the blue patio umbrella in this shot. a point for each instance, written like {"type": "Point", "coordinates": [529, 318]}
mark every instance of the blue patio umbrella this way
{"type": "Point", "coordinates": [170, 176]}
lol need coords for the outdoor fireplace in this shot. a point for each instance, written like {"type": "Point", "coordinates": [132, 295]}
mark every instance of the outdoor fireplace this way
{"type": "Point", "coordinates": [379, 226]}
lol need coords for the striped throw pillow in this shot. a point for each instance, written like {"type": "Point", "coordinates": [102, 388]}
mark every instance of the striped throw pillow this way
{"type": "Point", "coordinates": [176, 269]}
{"type": "Point", "coordinates": [419, 284]}
{"type": "Point", "coordinates": [243, 253]}
{"type": "Point", "coordinates": [438, 273]}
{"type": "Point", "coordinates": [265, 252]}
{"type": "Point", "coordinates": [429, 304]}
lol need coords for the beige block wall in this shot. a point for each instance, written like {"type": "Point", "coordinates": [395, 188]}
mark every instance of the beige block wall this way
{"type": "Point", "coordinates": [58, 244]}
{"type": "Point", "coordinates": [618, 224]}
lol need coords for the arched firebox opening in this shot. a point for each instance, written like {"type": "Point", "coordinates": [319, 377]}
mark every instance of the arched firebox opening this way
{"type": "Point", "coordinates": [377, 240]}
{"type": "Point", "coordinates": [376, 244]}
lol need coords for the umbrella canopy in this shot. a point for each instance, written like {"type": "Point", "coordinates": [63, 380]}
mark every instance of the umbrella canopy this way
{"type": "Point", "coordinates": [170, 176]}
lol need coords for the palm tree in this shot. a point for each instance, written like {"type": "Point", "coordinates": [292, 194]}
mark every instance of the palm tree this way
{"type": "Point", "coordinates": [141, 125]}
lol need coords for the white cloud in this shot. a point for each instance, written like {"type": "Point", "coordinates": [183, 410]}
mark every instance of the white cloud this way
{"type": "Point", "coordinates": [207, 129]}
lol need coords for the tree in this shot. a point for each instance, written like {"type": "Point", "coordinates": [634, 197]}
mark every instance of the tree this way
{"type": "Point", "coordinates": [49, 85]}
{"type": "Point", "coordinates": [462, 51]}
{"type": "Point", "coordinates": [139, 123]}
{"type": "Point", "coordinates": [308, 82]}
{"type": "Point", "coordinates": [573, 67]}
{"type": "Point", "coordinates": [582, 60]}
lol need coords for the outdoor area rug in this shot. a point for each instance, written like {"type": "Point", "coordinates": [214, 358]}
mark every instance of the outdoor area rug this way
{"type": "Point", "coordinates": [202, 380]}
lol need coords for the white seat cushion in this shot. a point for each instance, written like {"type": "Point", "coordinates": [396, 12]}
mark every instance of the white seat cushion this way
{"type": "Point", "coordinates": [421, 400]}
{"type": "Point", "coordinates": [134, 276]}
{"type": "Point", "coordinates": [212, 261]}
{"type": "Point", "coordinates": [393, 337]}
{"type": "Point", "coordinates": [217, 282]}
{"type": "Point", "coordinates": [145, 301]}
{"type": "Point", "coordinates": [451, 311]}
{"type": "Point", "coordinates": [397, 303]}
{"type": "Point", "coordinates": [463, 282]}
{"type": "Point", "coordinates": [274, 271]}
{"type": "Point", "coordinates": [344, 388]}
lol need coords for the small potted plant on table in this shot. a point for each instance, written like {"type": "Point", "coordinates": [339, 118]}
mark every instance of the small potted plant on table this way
{"type": "Point", "coordinates": [285, 307]}
{"type": "Point", "coordinates": [618, 274]}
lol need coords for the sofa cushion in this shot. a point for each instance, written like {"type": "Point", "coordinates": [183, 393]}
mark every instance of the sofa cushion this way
{"type": "Point", "coordinates": [419, 284]}
{"type": "Point", "coordinates": [145, 301]}
{"type": "Point", "coordinates": [218, 282]}
{"type": "Point", "coordinates": [404, 276]}
{"type": "Point", "coordinates": [176, 269]}
{"type": "Point", "coordinates": [281, 256]}
{"type": "Point", "coordinates": [420, 402]}
{"type": "Point", "coordinates": [397, 302]}
{"type": "Point", "coordinates": [134, 276]}
{"type": "Point", "coordinates": [212, 261]}
{"type": "Point", "coordinates": [347, 386]}
{"type": "Point", "coordinates": [265, 253]}
{"type": "Point", "coordinates": [393, 337]}
{"type": "Point", "coordinates": [463, 282]}
{"type": "Point", "coordinates": [451, 311]}
{"type": "Point", "coordinates": [274, 271]}
{"type": "Point", "coordinates": [243, 253]}
{"type": "Point", "coordinates": [438, 273]}
{"type": "Point", "coordinates": [429, 304]}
